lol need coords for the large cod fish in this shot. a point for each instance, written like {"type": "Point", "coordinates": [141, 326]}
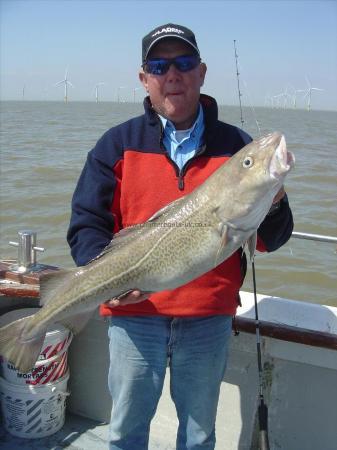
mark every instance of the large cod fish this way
{"type": "Point", "coordinates": [182, 241]}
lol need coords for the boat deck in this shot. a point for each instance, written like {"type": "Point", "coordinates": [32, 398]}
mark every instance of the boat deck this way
{"type": "Point", "coordinates": [78, 433]}
{"type": "Point", "coordinates": [298, 374]}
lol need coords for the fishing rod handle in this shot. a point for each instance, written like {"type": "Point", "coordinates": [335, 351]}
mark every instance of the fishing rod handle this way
{"type": "Point", "coordinates": [263, 425]}
{"type": "Point", "coordinates": [264, 441]}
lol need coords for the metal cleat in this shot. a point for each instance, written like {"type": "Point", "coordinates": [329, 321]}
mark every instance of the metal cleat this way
{"type": "Point", "coordinates": [27, 250]}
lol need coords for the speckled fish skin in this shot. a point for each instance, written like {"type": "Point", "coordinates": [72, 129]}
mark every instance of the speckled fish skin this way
{"type": "Point", "coordinates": [182, 241]}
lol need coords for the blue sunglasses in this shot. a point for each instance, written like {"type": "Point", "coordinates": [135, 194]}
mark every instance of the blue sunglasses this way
{"type": "Point", "coordinates": [160, 66]}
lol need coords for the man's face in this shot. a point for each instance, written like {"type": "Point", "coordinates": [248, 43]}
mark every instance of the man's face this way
{"type": "Point", "coordinates": [174, 95]}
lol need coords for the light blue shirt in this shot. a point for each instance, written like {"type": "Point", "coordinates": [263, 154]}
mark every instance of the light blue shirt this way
{"type": "Point", "coordinates": [182, 145]}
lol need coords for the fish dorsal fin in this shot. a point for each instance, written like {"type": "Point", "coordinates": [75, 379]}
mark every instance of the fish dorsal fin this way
{"type": "Point", "coordinates": [251, 244]}
{"type": "Point", "coordinates": [131, 233]}
{"type": "Point", "coordinates": [166, 209]}
{"type": "Point", "coordinates": [51, 281]}
{"type": "Point", "coordinates": [121, 238]}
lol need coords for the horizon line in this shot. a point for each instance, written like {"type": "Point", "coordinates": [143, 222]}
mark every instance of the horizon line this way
{"type": "Point", "coordinates": [141, 102]}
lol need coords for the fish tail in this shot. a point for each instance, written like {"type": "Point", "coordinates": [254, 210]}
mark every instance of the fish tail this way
{"type": "Point", "coordinates": [22, 354]}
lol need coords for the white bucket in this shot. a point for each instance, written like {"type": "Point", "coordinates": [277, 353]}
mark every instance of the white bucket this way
{"type": "Point", "coordinates": [33, 411]}
{"type": "Point", "coordinates": [52, 362]}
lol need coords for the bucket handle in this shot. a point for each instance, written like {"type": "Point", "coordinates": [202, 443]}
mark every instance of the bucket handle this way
{"type": "Point", "coordinates": [43, 362]}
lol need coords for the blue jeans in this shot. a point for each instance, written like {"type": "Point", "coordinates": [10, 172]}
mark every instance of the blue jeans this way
{"type": "Point", "coordinates": [140, 348]}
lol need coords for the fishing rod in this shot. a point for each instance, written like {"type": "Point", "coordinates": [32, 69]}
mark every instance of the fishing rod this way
{"type": "Point", "coordinates": [262, 409]}
{"type": "Point", "coordinates": [238, 81]}
{"type": "Point", "coordinates": [240, 93]}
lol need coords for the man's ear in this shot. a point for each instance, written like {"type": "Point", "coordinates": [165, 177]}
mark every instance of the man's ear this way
{"type": "Point", "coordinates": [203, 70]}
{"type": "Point", "coordinates": [143, 79]}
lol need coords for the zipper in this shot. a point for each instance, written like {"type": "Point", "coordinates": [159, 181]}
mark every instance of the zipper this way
{"type": "Point", "coordinates": [179, 172]}
{"type": "Point", "coordinates": [181, 182]}
{"type": "Point", "coordinates": [175, 166]}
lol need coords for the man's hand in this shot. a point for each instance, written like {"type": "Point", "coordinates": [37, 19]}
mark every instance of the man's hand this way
{"type": "Point", "coordinates": [128, 298]}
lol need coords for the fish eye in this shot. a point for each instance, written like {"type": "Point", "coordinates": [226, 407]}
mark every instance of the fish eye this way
{"type": "Point", "coordinates": [248, 162]}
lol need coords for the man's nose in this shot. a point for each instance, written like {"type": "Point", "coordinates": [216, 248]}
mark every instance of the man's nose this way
{"type": "Point", "coordinates": [173, 72]}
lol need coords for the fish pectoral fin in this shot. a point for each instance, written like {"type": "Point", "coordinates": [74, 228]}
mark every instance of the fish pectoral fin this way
{"type": "Point", "coordinates": [223, 230]}
{"type": "Point", "coordinates": [76, 322]}
{"type": "Point", "coordinates": [251, 243]}
{"type": "Point", "coordinates": [22, 354]}
{"type": "Point", "coordinates": [51, 281]}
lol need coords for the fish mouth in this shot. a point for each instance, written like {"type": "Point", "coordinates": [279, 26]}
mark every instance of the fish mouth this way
{"type": "Point", "coordinates": [282, 160]}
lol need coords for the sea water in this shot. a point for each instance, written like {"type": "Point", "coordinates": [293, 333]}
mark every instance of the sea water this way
{"type": "Point", "coordinates": [44, 147]}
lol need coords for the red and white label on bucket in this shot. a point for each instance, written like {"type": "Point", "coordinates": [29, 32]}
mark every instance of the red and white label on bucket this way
{"type": "Point", "coordinates": [47, 372]}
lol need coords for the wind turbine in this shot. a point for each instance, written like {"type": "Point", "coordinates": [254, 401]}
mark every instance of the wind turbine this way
{"type": "Point", "coordinates": [285, 96]}
{"type": "Point", "coordinates": [277, 98]}
{"type": "Point", "coordinates": [296, 91]}
{"type": "Point", "coordinates": [66, 82]}
{"type": "Point", "coordinates": [134, 93]}
{"type": "Point", "coordinates": [23, 91]}
{"type": "Point", "coordinates": [118, 95]}
{"type": "Point", "coordinates": [269, 100]}
{"type": "Point", "coordinates": [291, 94]}
{"type": "Point", "coordinates": [96, 89]}
{"type": "Point", "coordinates": [308, 93]}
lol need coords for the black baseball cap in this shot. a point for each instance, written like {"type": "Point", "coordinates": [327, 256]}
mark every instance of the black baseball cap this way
{"type": "Point", "coordinates": [166, 31]}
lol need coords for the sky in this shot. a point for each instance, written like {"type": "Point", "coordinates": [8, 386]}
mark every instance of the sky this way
{"type": "Point", "coordinates": [280, 44]}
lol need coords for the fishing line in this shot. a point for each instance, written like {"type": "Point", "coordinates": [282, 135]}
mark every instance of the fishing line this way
{"type": "Point", "coordinates": [262, 409]}
{"type": "Point", "coordinates": [252, 108]}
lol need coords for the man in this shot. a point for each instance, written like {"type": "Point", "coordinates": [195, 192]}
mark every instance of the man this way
{"type": "Point", "coordinates": [135, 169]}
